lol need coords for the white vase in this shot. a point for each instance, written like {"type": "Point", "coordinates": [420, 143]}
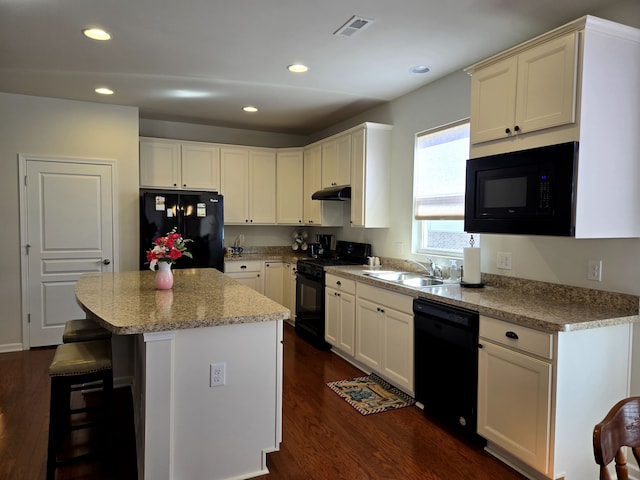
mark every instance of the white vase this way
{"type": "Point", "coordinates": [164, 276]}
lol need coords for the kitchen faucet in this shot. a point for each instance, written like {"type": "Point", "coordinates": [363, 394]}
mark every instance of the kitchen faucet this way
{"type": "Point", "coordinates": [429, 269]}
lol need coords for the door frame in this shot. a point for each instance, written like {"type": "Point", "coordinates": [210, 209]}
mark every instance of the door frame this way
{"type": "Point", "coordinates": [24, 258]}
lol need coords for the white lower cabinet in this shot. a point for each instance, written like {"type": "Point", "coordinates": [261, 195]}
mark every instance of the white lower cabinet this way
{"type": "Point", "coordinates": [514, 393]}
{"type": "Point", "coordinates": [384, 334]}
{"type": "Point", "coordinates": [340, 312]}
{"type": "Point", "coordinates": [541, 393]}
{"type": "Point", "coordinates": [273, 281]}
{"type": "Point", "coordinates": [249, 273]}
{"type": "Point", "coordinates": [289, 289]}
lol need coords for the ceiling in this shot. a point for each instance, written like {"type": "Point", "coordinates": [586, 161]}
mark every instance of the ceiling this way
{"type": "Point", "coordinates": [201, 61]}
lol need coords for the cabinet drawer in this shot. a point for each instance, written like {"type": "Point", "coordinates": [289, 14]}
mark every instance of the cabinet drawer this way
{"type": "Point", "coordinates": [381, 296]}
{"type": "Point", "coordinates": [237, 266]}
{"type": "Point", "coordinates": [516, 336]}
{"type": "Point", "coordinates": [340, 283]}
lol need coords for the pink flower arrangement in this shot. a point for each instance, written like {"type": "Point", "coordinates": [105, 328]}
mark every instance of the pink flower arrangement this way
{"type": "Point", "coordinates": [168, 249]}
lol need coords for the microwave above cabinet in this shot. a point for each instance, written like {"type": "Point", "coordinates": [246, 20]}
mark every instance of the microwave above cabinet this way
{"type": "Point", "coordinates": [528, 192]}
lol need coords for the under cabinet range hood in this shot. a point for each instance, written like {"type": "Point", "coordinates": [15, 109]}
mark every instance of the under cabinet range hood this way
{"type": "Point", "coordinates": [333, 193]}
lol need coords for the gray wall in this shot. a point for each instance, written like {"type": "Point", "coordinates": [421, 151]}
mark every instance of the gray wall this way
{"type": "Point", "coordinates": [61, 128]}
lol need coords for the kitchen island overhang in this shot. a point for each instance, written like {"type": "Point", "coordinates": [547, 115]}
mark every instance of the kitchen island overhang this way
{"type": "Point", "coordinates": [186, 428]}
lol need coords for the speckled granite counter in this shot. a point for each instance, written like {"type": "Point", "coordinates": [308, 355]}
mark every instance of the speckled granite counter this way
{"type": "Point", "coordinates": [539, 305]}
{"type": "Point", "coordinates": [128, 302]}
{"type": "Point", "coordinates": [290, 256]}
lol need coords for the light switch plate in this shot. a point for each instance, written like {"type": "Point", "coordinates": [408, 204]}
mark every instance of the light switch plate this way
{"type": "Point", "coordinates": [504, 260]}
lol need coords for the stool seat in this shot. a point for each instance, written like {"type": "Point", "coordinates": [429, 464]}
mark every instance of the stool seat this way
{"type": "Point", "coordinates": [80, 358]}
{"type": "Point", "coordinates": [83, 330]}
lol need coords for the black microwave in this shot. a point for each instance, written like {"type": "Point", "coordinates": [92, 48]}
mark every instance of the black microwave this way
{"type": "Point", "coordinates": [528, 192]}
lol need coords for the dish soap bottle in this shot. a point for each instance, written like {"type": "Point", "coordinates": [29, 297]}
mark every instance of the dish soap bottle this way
{"type": "Point", "coordinates": [453, 272]}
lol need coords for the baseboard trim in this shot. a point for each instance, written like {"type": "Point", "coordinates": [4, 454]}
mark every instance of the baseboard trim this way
{"type": "Point", "coordinates": [11, 347]}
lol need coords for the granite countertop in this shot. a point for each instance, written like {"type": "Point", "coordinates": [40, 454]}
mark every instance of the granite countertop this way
{"type": "Point", "coordinates": [544, 306]}
{"type": "Point", "coordinates": [291, 257]}
{"type": "Point", "coordinates": [128, 303]}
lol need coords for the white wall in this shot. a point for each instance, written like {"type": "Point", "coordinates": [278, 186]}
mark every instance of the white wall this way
{"type": "Point", "coordinates": [49, 127]}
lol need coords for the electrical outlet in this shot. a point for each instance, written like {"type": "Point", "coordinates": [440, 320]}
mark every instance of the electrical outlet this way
{"type": "Point", "coordinates": [217, 375]}
{"type": "Point", "coordinates": [504, 260]}
{"type": "Point", "coordinates": [594, 270]}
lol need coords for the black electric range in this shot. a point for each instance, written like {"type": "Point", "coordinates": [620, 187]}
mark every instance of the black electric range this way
{"type": "Point", "coordinates": [310, 311]}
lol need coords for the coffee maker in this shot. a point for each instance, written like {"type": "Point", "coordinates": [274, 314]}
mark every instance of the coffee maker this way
{"type": "Point", "coordinates": [325, 245]}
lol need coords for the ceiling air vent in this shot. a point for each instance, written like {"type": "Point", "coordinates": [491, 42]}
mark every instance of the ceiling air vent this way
{"type": "Point", "coordinates": [353, 26]}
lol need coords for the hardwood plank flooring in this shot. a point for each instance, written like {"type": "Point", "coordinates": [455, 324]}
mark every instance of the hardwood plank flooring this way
{"type": "Point", "coordinates": [323, 437]}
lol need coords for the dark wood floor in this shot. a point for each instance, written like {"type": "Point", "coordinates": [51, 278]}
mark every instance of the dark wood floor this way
{"type": "Point", "coordinates": [323, 437]}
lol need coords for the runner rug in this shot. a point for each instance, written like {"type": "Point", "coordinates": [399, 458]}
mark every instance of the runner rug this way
{"type": "Point", "coordinates": [371, 394]}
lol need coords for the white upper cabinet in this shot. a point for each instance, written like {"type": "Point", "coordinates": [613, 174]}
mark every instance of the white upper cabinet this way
{"type": "Point", "coordinates": [370, 164]}
{"type": "Point", "coordinates": [200, 167]}
{"type": "Point", "coordinates": [577, 83]}
{"type": "Point", "coordinates": [179, 165]}
{"type": "Point", "coordinates": [248, 185]}
{"type": "Point", "coordinates": [289, 187]}
{"type": "Point", "coordinates": [336, 161]}
{"type": "Point", "coordinates": [527, 92]}
{"type": "Point", "coordinates": [317, 212]}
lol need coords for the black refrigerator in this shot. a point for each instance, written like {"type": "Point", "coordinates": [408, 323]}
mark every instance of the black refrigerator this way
{"type": "Point", "coordinates": [197, 216]}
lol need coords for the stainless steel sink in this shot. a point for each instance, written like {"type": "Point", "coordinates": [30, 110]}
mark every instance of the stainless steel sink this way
{"type": "Point", "coordinates": [409, 279]}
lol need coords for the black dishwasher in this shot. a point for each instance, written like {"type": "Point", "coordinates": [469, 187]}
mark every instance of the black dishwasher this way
{"type": "Point", "coordinates": [446, 363]}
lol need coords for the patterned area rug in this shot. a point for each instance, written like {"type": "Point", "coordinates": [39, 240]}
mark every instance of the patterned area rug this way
{"type": "Point", "coordinates": [371, 394]}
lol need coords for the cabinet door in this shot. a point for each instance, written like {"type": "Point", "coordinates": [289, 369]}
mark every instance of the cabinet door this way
{"type": "Point", "coordinates": [493, 101]}
{"type": "Point", "coordinates": [262, 187]}
{"type": "Point", "coordinates": [547, 76]}
{"type": "Point", "coordinates": [347, 323]}
{"type": "Point", "coordinates": [289, 290]}
{"type": "Point", "coordinates": [398, 348]}
{"type": "Point", "coordinates": [250, 279]}
{"type": "Point", "coordinates": [273, 283]}
{"type": "Point", "coordinates": [331, 315]}
{"type": "Point", "coordinates": [289, 188]}
{"type": "Point", "coordinates": [234, 169]}
{"type": "Point", "coordinates": [369, 330]}
{"type": "Point", "coordinates": [343, 160]}
{"type": "Point", "coordinates": [514, 403]}
{"type": "Point", "coordinates": [159, 164]}
{"type": "Point", "coordinates": [336, 161]}
{"type": "Point", "coordinates": [329, 163]}
{"type": "Point", "coordinates": [358, 158]}
{"type": "Point", "coordinates": [200, 167]}
{"type": "Point", "coordinates": [312, 183]}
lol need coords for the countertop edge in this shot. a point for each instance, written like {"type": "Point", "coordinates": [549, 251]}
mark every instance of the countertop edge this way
{"type": "Point", "coordinates": [497, 302]}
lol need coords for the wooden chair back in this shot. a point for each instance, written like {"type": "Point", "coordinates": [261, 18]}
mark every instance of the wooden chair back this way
{"type": "Point", "coordinates": [620, 428]}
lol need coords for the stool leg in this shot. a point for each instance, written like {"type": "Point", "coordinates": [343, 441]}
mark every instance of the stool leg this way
{"type": "Point", "coordinates": [107, 434]}
{"type": "Point", "coordinates": [56, 420]}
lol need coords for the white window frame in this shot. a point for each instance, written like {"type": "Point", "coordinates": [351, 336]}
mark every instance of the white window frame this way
{"type": "Point", "coordinates": [419, 226]}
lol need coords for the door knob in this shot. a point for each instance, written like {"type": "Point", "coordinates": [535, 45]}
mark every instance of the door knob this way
{"type": "Point", "coordinates": [106, 261]}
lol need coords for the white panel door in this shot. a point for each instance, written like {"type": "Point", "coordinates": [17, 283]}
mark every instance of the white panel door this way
{"type": "Point", "coordinates": [69, 231]}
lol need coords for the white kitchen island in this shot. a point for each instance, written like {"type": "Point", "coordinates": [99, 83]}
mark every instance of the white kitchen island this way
{"type": "Point", "coordinates": [185, 428]}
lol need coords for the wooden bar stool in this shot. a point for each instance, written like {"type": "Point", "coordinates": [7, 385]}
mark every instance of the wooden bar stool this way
{"type": "Point", "coordinates": [75, 365]}
{"type": "Point", "coordinates": [83, 330]}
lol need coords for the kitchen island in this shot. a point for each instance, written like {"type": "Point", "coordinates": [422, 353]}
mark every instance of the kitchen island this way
{"type": "Point", "coordinates": [206, 326]}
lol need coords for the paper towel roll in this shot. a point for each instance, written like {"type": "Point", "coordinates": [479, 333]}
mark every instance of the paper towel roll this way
{"type": "Point", "coordinates": [471, 271]}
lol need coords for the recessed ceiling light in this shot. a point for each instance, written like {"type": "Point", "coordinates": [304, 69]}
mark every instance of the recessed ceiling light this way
{"type": "Point", "coordinates": [96, 34]}
{"type": "Point", "coordinates": [420, 69]}
{"type": "Point", "coordinates": [250, 109]}
{"type": "Point", "coordinates": [297, 68]}
{"type": "Point", "coordinates": [104, 91]}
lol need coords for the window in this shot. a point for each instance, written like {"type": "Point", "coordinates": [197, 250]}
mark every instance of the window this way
{"type": "Point", "coordinates": [439, 182]}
